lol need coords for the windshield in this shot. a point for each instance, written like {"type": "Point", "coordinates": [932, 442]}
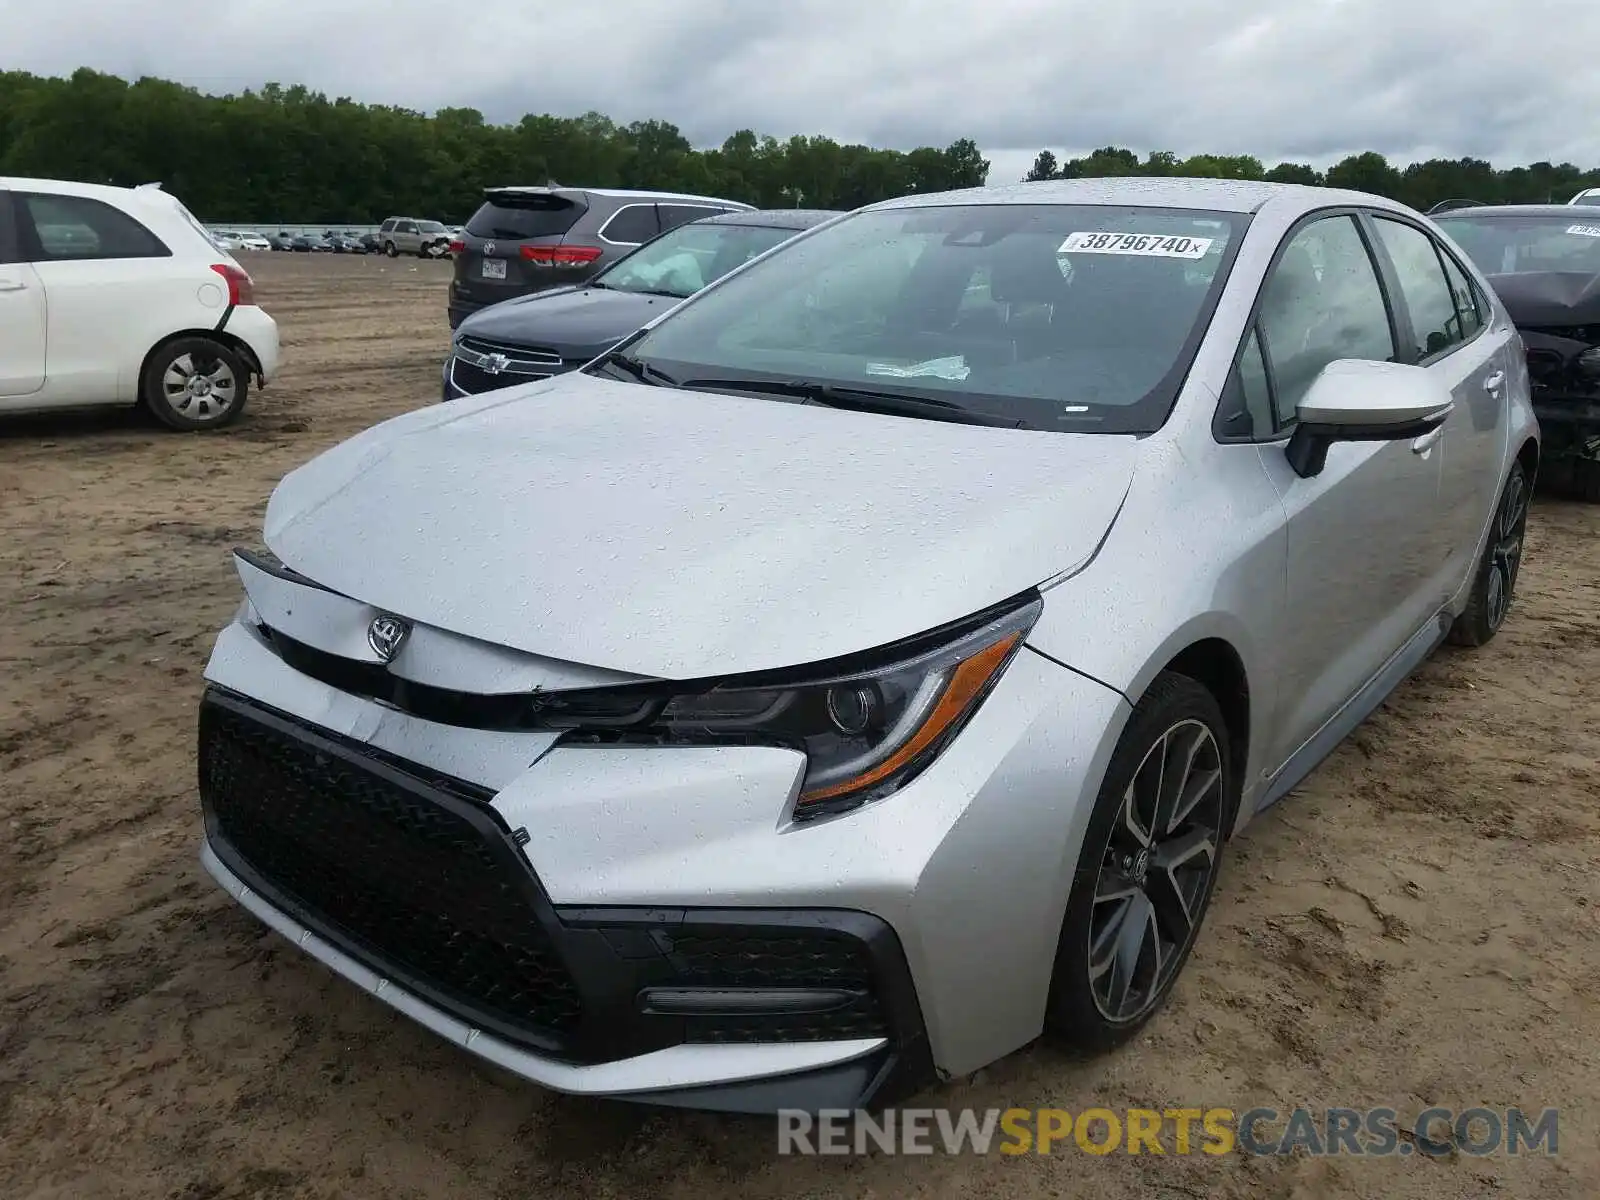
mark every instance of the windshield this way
{"type": "Point", "coordinates": [1517, 245]}
{"type": "Point", "coordinates": [690, 257]}
{"type": "Point", "coordinates": [1074, 317]}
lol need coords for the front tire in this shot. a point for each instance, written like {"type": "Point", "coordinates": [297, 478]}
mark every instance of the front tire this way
{"type": "Point", "coordinates": [389, 249]}
{"type": "Point", "coordinates": [1494, 586]}
{"type": "Point", "coordinates": [1148, 867]}
{"type": "Point", "coordinates": [195, 383]}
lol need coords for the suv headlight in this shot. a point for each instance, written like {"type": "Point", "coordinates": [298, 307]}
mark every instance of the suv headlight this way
{"type": "Point", "coordinates": [865, 730]}
{"type": "Point", "coordinates": [1589, 363]}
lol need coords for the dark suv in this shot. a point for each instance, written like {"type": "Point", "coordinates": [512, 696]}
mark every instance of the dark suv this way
{"type": "Point", "coordinates": [527, 239]}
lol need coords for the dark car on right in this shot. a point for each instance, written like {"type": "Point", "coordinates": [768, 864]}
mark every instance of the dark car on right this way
{"type": "Point", "coordinates": [531, 239]}
{"type": "Point", "coordinates": [1543, 260]}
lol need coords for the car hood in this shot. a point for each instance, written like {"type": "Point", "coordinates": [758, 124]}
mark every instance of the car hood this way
{"type": "Point", "coordinates": [569, 316]}
{"type": "Point", "coordinates": [681, 534]}
{"type": "Point", "coordinates": [1550, 298]}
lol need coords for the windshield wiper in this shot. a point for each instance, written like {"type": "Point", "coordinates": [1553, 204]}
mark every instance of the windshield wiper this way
{"type": "Point", "coordinates": [831, 395]}
{"type": "Point", "coordinates": [637, 369]}
{"type": "Point", "coordinates": [659, 292]}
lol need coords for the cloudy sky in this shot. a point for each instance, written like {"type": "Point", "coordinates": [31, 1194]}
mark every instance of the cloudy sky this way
{"type": "Point", "coordinates": [1309, 80]}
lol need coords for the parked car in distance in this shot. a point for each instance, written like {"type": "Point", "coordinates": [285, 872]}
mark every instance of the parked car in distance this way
{"type": "Point", "coordinates": [224, 239]}
{"type": "Point", "coordinates": [547, 333]}
{"type": "Point", "coordinates": [530, 239]}
{"type": "Point", "coordinates": [862, 669]}
{"type": "Point", "coordinates": [310, 243]}
{"type": "Point", "coordinates": [253, 241]}
{"type": "Point", "coordinates": [341, 243]}
{"type": "Point", "coordinates": [282, 240]}
{"type": "Point", "coordinates": [1544, 262]}
{"type": "Point", "coordinates": [408, 235]}
{"type": "Point", "coordinates": [119, 296]}
{"type": "Point", "coordinates": [371, 243]}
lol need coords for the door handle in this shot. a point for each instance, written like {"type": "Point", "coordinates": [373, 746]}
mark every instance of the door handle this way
{"type": "Point", "coordinates": [12, 285]}
{"type": "Point", "coordinates": [1425, 443]}
{"type": "Point", "coordinates": [1492, 383]}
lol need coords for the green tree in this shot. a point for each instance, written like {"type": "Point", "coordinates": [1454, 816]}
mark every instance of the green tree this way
{"type": "Point", "coordinates": [285, 153]}
{"type": "Point", "coordinates": [1044, 167]}
{"type": "Point", "coordinates": [1369, 172]}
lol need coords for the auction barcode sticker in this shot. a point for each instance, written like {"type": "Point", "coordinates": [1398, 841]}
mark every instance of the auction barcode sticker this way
{"type": "Point", "coordinates": [1584, 230]}
{"type": "Point", "coordinates": [1155, 245]}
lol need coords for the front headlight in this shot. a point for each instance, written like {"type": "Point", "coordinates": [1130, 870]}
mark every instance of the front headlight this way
{"type": "Point", "coordinates": [866, 730]}
{"type": "Point", "coordinates": [1589, 362]}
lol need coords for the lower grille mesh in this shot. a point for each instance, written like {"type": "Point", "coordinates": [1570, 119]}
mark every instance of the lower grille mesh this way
{"type": "Point", "coordinates": [416, 886]}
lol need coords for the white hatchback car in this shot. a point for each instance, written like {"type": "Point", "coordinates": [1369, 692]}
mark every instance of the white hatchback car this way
{"type": "Point", "coordinates": [118, 296]}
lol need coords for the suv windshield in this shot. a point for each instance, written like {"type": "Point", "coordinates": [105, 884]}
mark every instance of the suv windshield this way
{"type": "Point", "coordinates": [1072, 317]}
{"type": "Point", "coordinates": [690, 257]}
{"type": "Point", "coordinates": [1516, 245]}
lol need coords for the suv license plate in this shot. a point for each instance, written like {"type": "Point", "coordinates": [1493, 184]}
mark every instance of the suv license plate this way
{"type": "Point", "coordinates": [494, 268]}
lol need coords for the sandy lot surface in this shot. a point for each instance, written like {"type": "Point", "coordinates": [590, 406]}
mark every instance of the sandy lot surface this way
{"type": "Point", "coordinates": [1417, 927]}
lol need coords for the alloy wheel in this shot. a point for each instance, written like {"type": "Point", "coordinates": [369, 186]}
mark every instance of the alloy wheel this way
{"type": "Point", "coordinates": [199, 387]}
{"type": "Point", "coordinates": [1505, 557]}
{"type": "Point", "coordinates": [1157, 871]}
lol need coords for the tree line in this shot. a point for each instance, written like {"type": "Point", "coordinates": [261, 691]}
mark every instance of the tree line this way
{"type": "Point", "coordinates": [1421, 184]}
{"type": "Point", "coordinates": [291, 154]}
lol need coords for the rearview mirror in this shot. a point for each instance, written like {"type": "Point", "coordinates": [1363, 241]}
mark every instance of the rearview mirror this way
{"type": "Point", "coordinates": [1354, 400]}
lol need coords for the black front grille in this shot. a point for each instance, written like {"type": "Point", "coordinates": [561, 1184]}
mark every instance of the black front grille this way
{"type": "Point", "coordinates": [519, 358]}
{"type": "Point", "coordinates": [798, 957]}
{"type": "Point", "coordinates": [414, 876]}
{"type": "Point", "coordinates": [475, 380]}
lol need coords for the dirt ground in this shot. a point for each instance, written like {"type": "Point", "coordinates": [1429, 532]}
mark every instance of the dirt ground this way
{"type": "Point", "coordinates": [1418, 926]}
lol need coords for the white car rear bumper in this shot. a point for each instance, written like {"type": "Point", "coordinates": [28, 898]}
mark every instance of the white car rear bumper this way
{"type": "Point", "coordinates": [251, 325]}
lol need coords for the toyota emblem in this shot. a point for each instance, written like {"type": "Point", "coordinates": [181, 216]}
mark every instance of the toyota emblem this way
{"type": "Point", "coordinates": [386, 635]}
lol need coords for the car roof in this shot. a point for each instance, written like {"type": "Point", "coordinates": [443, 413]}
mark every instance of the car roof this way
{"type": "Point", "coordinates": [70, 187]}
{"type": "Point", "coordinates": [616, 194]}
{"type": "Point", "coordinates": [1216, 195]}
{"type": "Point", "coordinates": [1510, 210]}
{"type": "Point", "coordinates": [774, 218]}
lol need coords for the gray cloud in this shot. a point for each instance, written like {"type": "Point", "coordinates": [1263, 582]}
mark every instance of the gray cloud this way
{"type": "Point", "coordinates": [1309, 81]}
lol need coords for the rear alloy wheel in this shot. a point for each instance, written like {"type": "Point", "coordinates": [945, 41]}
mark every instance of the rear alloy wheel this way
{"type": "Point", "coordinates": [1495, 585]}
{"type": "Point", "coordinates": [195, 383]}
{"type": "Point", "coordinates": [1147, 870]}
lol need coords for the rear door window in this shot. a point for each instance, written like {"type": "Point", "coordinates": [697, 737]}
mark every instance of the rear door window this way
{"type": "Point", "coordinates": [632, 224]}
{"type": "Point", "coordinates": [77, 227]}
{"type": "Point", "coordinates": [673, 215]}
{"type": "Point", "coordinates": [1468, 303]}
{"type": "Point", "coordinates": [513, 216]}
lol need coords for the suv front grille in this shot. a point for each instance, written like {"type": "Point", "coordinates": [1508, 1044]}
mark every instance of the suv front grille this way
{"type": "Point", "coordinates": [413, 876]}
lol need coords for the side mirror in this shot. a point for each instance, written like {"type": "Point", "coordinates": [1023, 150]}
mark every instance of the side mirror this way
{"type": "Point", "coordinates": [1354, 400]}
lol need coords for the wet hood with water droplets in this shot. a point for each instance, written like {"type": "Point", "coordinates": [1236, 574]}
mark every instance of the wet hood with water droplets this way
{"type": "Point", "coordinates": [680, 534]}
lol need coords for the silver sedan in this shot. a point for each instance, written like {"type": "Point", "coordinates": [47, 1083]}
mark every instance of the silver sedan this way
{"type": "Point", "coordinates": [863, 669]}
